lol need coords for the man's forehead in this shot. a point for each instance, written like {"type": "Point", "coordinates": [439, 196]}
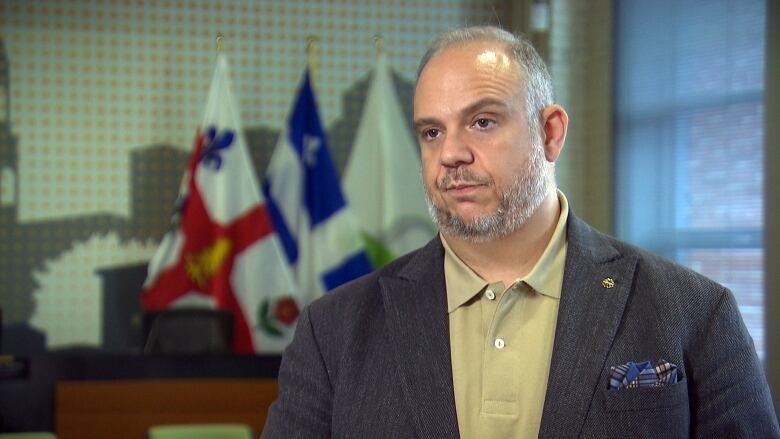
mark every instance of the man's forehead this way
{"type": "Point", "coordinates": [480, 55]}
{"type": "Point", "coordinates": [471, 70]}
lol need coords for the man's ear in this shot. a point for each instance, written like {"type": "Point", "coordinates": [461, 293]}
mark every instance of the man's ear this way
{"type": "Point", "coordinates": [555, 121]}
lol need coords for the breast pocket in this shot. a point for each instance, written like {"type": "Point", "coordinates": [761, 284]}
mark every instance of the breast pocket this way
{"type": "Point", "coordinates": [646, 398]}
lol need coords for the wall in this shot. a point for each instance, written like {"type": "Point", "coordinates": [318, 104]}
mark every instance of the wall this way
{"type": "Point", "coordinates": [581, 62]}
{"type": "Point", "coordinates": [102, 99]}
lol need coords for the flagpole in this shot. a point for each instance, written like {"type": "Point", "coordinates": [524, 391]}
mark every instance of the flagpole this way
{"type": "Point", "coordinates": [379, 44]}
{"type": "Point", "coordinates": [312, 42]}
{"type": "Point", "coordinates": [220, 39]}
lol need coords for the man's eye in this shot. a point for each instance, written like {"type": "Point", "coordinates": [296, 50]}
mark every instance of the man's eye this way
{"type": "Point", "coordinates": [430, 133]}
{"type": "Point", "coordinates": [483, 123]}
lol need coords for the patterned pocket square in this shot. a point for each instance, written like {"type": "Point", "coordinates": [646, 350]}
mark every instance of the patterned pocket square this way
{"type": "Point", "coordinates": [647, 374]}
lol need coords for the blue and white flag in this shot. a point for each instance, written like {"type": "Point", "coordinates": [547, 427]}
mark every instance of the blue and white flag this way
{"type": "Point", "coordinates": [319, 235]}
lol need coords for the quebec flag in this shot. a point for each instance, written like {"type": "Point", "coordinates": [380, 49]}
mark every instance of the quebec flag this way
{"type": "Point", "coordinates": [319, 235]}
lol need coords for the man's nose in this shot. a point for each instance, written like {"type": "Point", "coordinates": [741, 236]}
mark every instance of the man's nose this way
{"type": "Point", "coordinates": [455, 150]}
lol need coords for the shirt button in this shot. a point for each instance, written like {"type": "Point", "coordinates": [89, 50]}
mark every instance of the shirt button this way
{"type": "Point", "coordinates": [490, 294]}
{"type": "Point", "coordinates": [499, 343]}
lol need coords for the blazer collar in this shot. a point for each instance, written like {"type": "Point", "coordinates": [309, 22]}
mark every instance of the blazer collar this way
{"type": "Point", "coordinates": [416, 317]}
{"type": "Point", "coordinates": [596, 283]}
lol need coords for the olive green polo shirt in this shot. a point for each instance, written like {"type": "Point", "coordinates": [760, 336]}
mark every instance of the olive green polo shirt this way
{"type": "Point", "coordinates": [501, 341]}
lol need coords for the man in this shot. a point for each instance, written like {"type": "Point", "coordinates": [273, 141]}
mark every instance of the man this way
{"type": "Point", "coordinates": [519, 320]}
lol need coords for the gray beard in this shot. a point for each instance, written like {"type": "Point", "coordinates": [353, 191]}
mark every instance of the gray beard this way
{"type": "Point", "coordinates": [518, 202]}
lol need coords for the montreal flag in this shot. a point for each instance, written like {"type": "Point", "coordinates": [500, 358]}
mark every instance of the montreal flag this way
{"type": "Point", "coordinates": [223, 252]}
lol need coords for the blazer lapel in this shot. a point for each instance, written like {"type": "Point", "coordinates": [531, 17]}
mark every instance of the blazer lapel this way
{"type": "Point", "coordinates": [596, 283]}
{"type": "Point", "coordinates": [418, 327]}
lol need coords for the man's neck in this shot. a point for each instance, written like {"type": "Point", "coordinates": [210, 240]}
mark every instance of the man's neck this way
{"type": "Point", "coordinates": [513, 256]}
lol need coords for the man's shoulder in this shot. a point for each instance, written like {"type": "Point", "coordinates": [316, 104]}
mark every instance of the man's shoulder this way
{"type": "Point", "coordinates": [651, 265]}
{"type": "Point", "coordinates": [352, 311]}
{"type": "Point", "coordinates": [366, 289]}
{"type": "Point", "coordinates": [653, 274]}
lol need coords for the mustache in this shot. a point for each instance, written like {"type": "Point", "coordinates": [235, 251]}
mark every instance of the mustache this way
{"type": "Point", "coordinates": [462, 176]}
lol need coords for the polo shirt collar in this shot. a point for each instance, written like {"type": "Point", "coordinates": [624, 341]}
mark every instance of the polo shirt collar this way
{"type": "Point", "coordinates": [546, 277]}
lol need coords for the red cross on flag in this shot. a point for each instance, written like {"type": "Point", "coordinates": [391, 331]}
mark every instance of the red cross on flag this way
{"type": "Point", "coordinates": [224, 252]}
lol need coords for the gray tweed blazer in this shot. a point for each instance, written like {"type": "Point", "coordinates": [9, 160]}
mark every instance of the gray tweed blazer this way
{"type": "Point", "coordinates": [372, 358]}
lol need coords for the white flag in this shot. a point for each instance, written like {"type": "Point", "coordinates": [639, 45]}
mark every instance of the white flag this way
{"type": "Point", "coordinates": [382, 180]}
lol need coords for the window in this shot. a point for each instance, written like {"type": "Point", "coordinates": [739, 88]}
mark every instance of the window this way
{"type": "Point", "coordinates": [689, 138]}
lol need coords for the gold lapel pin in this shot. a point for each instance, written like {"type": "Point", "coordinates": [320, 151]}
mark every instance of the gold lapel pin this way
{"type": "Point", "coordinates": [608, 282]}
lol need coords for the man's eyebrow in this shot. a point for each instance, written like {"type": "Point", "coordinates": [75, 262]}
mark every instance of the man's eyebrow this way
{"type": "Point", "coordinates": [480, 104]}
{"type": "Point", "coordinates": [419, 123]}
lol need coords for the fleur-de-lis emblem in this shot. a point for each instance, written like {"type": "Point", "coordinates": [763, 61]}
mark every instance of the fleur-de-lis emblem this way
{"type": "Point", "coordinates": [311, 144]}
{"type": "Point", "coordinates": [213, 143]}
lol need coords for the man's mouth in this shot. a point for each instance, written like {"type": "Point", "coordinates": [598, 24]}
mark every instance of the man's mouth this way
{"type": "Point", "coordinates": [462, 181]}
{"type": "Point", "coordinates": [462, 188]}
{"type": "Point", "coordinates": [458, 186]}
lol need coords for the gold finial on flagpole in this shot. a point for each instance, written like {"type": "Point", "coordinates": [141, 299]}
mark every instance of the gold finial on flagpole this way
{"type": "Point", "coordinates": [312, 42]}
{"type": "Point", "coordinates": [220, 39]}
{"type": "Point", "coordinates": [311, 50]}
{"type": "Point", "coordinates": [379, 44]}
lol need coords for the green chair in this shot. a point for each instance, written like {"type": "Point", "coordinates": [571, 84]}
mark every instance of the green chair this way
{"type": "Point", "coordinates": [200, 431]}
{"type": "Point", "coordinates": [35, 435]}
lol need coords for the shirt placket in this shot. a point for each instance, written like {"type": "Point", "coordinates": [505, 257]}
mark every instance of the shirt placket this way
{"type": "Point", "coordinates": [499, 390]}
